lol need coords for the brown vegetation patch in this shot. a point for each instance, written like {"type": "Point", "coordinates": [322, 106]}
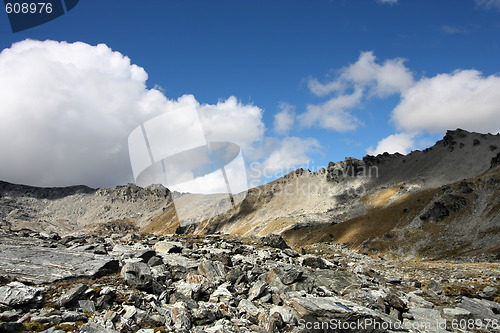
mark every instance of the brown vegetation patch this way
{"type": "Point", "coordinates": [376, 223]}
{"type": "Point", "coordinates": [381, 198]}
{"type": "Point", "coordinates": [164, 223]}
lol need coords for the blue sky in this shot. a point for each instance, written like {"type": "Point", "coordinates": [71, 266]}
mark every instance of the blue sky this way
{"type": "Point", "coordinates": [347, 78]}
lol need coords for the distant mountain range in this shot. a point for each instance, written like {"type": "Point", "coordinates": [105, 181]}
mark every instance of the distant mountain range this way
{"type": "Point", "coordinates": [438, 203]}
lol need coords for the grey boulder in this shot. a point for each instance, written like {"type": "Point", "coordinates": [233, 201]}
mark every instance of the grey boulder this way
{"type": "Point", "coordinates": [138, 275]}
{"type": "Point", "coordinates": [17, 294]}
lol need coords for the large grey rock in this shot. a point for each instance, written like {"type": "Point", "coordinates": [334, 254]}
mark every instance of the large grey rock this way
{"type": "Point", "coordinates": [333, 280]}
{"type": "Point", "coordinates": [481, 308]}
{"type": "Point", "coordinates": [417, 301]}
{"type": "Point", "coordinates": [179, 260]}
{"type": "Point", "coordinates": [11, 315]}
{"type": "Point", "coordinates": [20, 259]}
{"type": "Point", "coordinates": [434, 287]}
{"type": "Point", "coordinates": [221, 294]}
{"type": "Point", "coordinates": [257, 290]}
{"type": "Point", "coordinates": [313, 261]}
{"type": "Point", "coordinates": [87, 306]}
{"type": "Point", "coordinates": [271, 323]}
{"type": "Point", "coordinates": [275, 241]}
{"type": "Point", "coordinates": [248, 307]}
{"type": "Point", "coordinates": [212, 270]}
{"type": "Point", "coordinates": [144, 319]}
{"type": "Point", "coordinates": [130, 312]}
{"type": "Point", "coordinates": [95, 328]}
{"type": "Point", "coordinates": [285, 314]}
{"type": "Point", "coordinates": [74, 316]}
{"type": "Point", "coordinates": [428, 320]}
{"type": "Point", "coordinates": [290, 276]}
{"type": "Point", "coordinates": [456, 314]}
{"type": "Point", "coordinates": [144, 255]}
{"type": "Point", "coordinates": [488, 292]}
{"type": "Point", "coordinates": [373, 299]}
{"type": "Point", "coordinates": [17, 294]}
{"type": "Point", "coordinates": [166, 247]}
{"type": "Point", "coordinates": [234, 275]}
{"type": "Point", "coordinates": [187, 289]}
{"type": "Point", "coordinates": [206, 313]}
{"type": "Point", "coordinates": [54, 319]}
{"type": "Point", "coordinates": [178, 316]}
{"type": "Point", "coordinates": [72, 295]}
{"type": "Point", "coordinates": [138, 275]}
{"type": "Point", "coordinates": [309, 309]}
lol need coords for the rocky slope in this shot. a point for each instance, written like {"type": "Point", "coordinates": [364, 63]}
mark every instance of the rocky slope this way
{"type": "Point", "coordinates": [439, 202]}
{"type": "Point", "coordinates": [145, 283]}
{"type": "Point", "coordinates": [69, 209]}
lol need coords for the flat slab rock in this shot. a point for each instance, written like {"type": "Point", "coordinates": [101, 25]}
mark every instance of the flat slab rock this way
{"type": "Point", "coordinates": [28, 261]}
{"type": "Point", "coordinates": [16, 294]}
{"type": "Point", "coordinates": [331, 309]}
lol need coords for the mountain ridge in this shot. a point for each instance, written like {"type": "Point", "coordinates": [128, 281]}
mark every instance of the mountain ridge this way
{"type": "Point", "coordinates": [352, 193]}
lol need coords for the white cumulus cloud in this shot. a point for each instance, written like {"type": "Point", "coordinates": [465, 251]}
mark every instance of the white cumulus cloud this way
{"type": "Point", "coordinates": [67, 109]}
{"type": "Point", "coordinates": [230, 120]}
{"type": "Point", "coordinates": [366, 78]}
{"type": "Point", "coordinates": [463, 99]}
{"type": "Point", "coordinates": [383, 80]}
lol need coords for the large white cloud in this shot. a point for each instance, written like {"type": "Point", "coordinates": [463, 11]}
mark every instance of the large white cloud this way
{"type": "Point", "coordinates": [230, 120]}
{"type": "Point", "coordinates": [66, 110]}
{"type": "Point", "coordinates": [464, 99]}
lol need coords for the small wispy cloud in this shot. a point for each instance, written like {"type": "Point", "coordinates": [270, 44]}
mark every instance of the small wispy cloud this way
{"type": "Point", "coordinates": [390, 2]}
{"type": "Point", "coordinates": [453, 30]}
{"type": "Point", "coordinates": [366, 78]}
{"type": "Point", "coordinates": [284, 120]}
{"type": "Point", "coordinates": [488, 4]}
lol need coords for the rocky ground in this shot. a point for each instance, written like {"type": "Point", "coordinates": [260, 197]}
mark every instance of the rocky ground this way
{"type": "Point", "coordinates": [132, 282]}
